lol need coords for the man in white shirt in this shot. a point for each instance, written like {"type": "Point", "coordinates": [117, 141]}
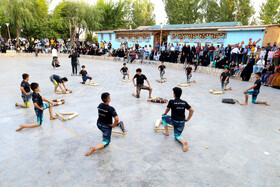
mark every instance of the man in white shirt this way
{"type": "Point", "coordinates": [263, 52]}
{"type": "Point", "coordinates": [259, 65]}
{"type": "Point", "coordinates": [234, 53]}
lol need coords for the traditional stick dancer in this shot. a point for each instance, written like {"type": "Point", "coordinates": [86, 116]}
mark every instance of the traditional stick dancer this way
{"type": "Point", "coordinates": [105, 122]}
{"type": "Point", "coordinates": [177, 118]}
{"type": "Point", "coordinates": [161, 69]}
{"type": "Point", "coordinates": [25, 91]}
{"type": "Point", "coordinates": [189, 72]}
{"type": "Point", "coordinates": [140, 83]}
{"type": "Point", "coordinates": [83, 73]}
{"type": "Point", "coordinates": [224, 78]}
{"type": "Point", "coordinates": [57, 81]}
{"type": "Point", "coordinates": [39, 107]}
{"type": "Point", "coordinates": [124, 71]}
{"type": "Point", "coordinates": [254, 91]}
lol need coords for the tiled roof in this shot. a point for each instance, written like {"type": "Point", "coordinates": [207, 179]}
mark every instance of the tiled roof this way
{"type": "Point", "coordinates": [213, 24]}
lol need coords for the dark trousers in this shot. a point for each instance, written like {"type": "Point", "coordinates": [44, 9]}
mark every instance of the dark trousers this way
{"type": "Point", "coordinates": [74, 67]}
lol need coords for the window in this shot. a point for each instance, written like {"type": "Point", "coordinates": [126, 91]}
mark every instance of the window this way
{"type": "Point", "coordinates": [101, 36]}
{"type": "Point", "coordinates": [110, 36]}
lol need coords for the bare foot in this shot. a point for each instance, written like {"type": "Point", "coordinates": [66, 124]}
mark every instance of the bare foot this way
{"type": "Point", "coordinates": [229, 88]}
{"type": "Point", "coordinates": [266, 103]}
{"type": "Point", "coordinates": [134, 94]}
{"type": "Point", "coordinates": [194, 81]}
{"type": "Point", "coordinates": [165, 133]}
{"type": "Point", "coordinates": [92, 149]}
{"type": "Point", "coordinates": [20, 127]}
{"type": "Point", "coordinates": [185, 147]}
{"type": "Point", "coordinates": [52, 118]}
{"type": "Point", "coordinates": [17, 104]}
{"type": "Point", "coordinates": [244, 104]}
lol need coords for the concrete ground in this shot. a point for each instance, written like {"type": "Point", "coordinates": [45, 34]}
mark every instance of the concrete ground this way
{"type": "Point", "coordinates": [243, 141]}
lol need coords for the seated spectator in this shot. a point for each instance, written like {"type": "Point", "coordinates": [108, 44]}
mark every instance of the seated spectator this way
{"type": "Point", "coordinates": [220, 61]}
{"type": "Point", "coordinates": [266, 74]}
{"type": "Point", "coordinates": [259, 65]}
{"type": "Point", "coordinates": [232, 68]}
{"type": "Point", "coordinates": [239, 68]}
{"type": "Point", "coordinates": [274, 79]}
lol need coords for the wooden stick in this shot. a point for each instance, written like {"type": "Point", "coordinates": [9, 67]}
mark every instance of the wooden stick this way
{"type": "Point", "coordinates": [121, 133]}
{"type": "Point", "coordinates": [71, 117]}
{"type": "Point", "coordinates": [64, 119]}
{"type": "Point", "coordinates": [68, 113]}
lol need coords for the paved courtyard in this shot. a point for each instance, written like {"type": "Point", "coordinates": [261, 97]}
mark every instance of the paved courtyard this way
{"type": "Point", "coordinates": [243, 141]}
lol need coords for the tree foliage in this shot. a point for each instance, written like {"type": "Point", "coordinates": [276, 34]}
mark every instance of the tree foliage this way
{"type": "Point", "coordinates": [270, 12]}
{"type": "Point", "coordinates": [142, 13]}
{"type": "Point", "coordinates": [113, 14]}
{"type": "Point", "coordinates": [183, 11]}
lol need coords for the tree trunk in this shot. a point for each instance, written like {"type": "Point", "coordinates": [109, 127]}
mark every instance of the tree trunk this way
{"type": "Point", "coordinates": [18, 34]}
{"type": "Point", "coordinates": [70, 30]}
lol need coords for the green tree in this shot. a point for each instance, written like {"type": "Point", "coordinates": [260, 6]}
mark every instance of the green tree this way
{"type": "Point", "coordinates": [114, 15]}
{"type": "Point", "coordinates": [244, 11]}
{"type": "Point", "coordinates": [20, 14]}
{"type": "Point", "coordinates": [269, 13]}
{"type": "Point", "coordinates": [142, 13]}
{"type": "Point", "coordinates": [211, 11]}
{"type": "Point", "coordinates": [227, 10]}
{"type": "Point", "coordinates": [183, 11]}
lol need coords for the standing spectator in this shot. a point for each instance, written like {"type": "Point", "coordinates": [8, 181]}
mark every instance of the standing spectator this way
{"type": "Point", "coordinates": [74, 61]}
{"type": "Point", "coordinates": [222, 49]}
{"type": "Point", "coordinates": [205, 50]}
{"type": "Point", "coordinates": [270, 56]}
{"type": "Point", "coordinates": [234, 53]}
{"type": "Point", "coordinates": [197, 50]}
{"type": "Point", "coordinates": [276, 58]}
{"type": "Point", "coordinates": [211, 52]}
{"type": "Point", "coordinates": [263, 53]}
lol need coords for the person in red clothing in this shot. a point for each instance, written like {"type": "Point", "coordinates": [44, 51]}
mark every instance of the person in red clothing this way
{"type": "Point", "coordinates": [211, 52]}
{"type": "Point", "coordinates": [276, 58]}
{"type": "Point", "coordinates": [197, 50]}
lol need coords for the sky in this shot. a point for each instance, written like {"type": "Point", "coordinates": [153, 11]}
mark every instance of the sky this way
{"type": "Point", "coordinates": [159, 11]}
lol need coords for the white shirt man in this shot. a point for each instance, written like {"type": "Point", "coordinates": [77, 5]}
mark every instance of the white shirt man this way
{"type": "Point", "coordinates": [235, 50]}
{"type": "Point", "coordinates": [54, 52]}
{"type": "Point", "coordinates": [259, 65]}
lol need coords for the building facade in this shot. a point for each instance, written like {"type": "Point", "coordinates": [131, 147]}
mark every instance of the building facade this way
{"type": "Point", "coordinates": [192, 34]}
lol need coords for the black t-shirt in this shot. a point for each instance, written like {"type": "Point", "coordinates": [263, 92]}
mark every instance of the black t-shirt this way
{"type": "Point", "coordinates": [124, 69]}
{"type": "Point", "coordinates": [189, 70]}
{"type": "Point", "coordinates": [57, 78]}
{"type": "Point", "coordinates": [225, 75]}
{"type": "Point", "coordinates": [105, 114]}
{"type": "Point", "coordinates": [162, 67]}
{"type": "Point", "coordinates": [140, 78]}
{"type": "Point", "coordinates": [37, 98]}
{"type": "Point", "coordinates": [178, 107]}
{"type": "Point", "coordinates": [232, 66]}
{"type": "Point", "coordinates": [26, 86]}
{"type": "Point", "coordinates": [258, 83]}
{"type": "Point", "coordinates": [83, 73]}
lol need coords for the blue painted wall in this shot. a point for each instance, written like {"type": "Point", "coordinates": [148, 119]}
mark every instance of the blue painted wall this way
{"type": "Point", "coordinates": [234, 37]}
{"type": "Point", "coordinates": [116, 44]}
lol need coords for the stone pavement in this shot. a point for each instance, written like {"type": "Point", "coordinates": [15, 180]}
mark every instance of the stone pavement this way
{"type": "Point", "coordinates": [243, 142]}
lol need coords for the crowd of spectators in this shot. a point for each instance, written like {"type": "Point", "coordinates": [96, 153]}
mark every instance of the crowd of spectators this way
{"type": "Point", "coordinates": [242, 61]}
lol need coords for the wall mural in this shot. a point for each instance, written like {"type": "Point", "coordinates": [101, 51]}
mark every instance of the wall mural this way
{"type": "Point", "coordinates": [201, 35]}
{"type": "Point", "coordinates": [208, 39]}
{"type": "Point", "coordinates": [133, 35]}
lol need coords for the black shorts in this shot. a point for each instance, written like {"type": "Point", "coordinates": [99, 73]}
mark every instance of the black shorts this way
{"type": "Point", "coordinates": [140, 87]}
